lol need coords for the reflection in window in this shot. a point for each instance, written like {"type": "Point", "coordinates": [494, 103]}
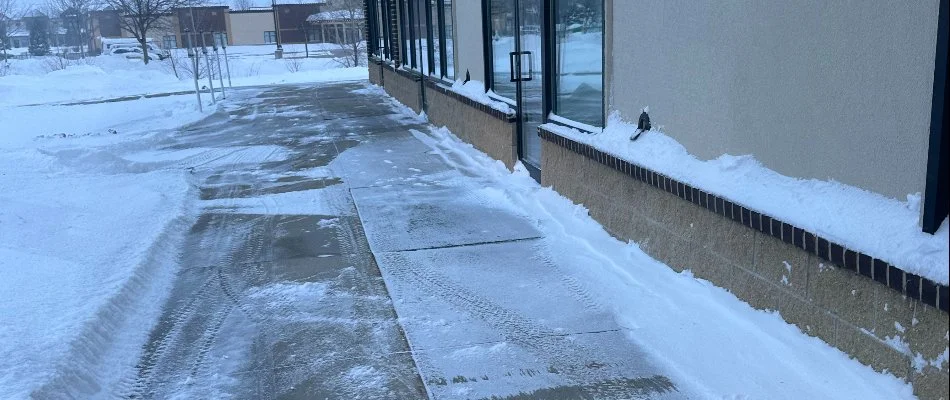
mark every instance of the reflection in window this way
{"type": "Point", "coordinates": [422, 37]}
{"type": "Point", "coordinates": [502, 44]}
{"type": "Point", "coordinates": [579, 63]}
{"type": "Point", "coordinates": [436, 40]}
{"type": "Point", "coordinates": [449, 41]}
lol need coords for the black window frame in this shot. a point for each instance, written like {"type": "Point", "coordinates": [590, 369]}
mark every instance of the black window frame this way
{"type": "Point", "coordinates": [549, 45]}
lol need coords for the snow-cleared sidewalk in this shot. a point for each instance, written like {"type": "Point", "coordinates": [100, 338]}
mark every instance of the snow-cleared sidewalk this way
{"type": "Point", "coordinates": [265, 284]}
{"type": "Point", "coordinates": [707, 342]}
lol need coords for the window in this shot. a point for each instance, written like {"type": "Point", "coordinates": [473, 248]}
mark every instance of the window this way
{"type": "Point", "coordinates": [436, 42]}
{"type": "Point", "coordinates": [270, 37]}
{"type": "Point", "coordinates": [578, 66]}
{"type": "Point", "coordinates": [448, 39]}
{"type": "Point", "coordinates": [379, 30]}
{"type": "Point", "coordinates": [420, 27]}
{"type": "Point", "coordinates": [169, 42]}
{"type": "Point", "coordinates": [502, 22]}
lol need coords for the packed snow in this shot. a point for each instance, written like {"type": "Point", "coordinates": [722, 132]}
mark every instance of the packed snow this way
{"type": "Point", "coordinates": [863, 221]}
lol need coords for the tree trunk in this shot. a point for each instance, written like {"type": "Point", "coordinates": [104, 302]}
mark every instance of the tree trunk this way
{"type": "Point", "coordinates": [144, 50]}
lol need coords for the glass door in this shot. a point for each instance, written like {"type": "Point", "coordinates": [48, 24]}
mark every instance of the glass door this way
{"type": "Point", "coordinates": [530, 64]}
{"type": "Point", "coordinates": [517, 69]}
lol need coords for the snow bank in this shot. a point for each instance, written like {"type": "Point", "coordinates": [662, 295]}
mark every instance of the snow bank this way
{"type": "Point", "coordinates": [713, 344]}
{"type": "Point", "coordinates": [475, 90]}
{"type": "Point", "coordinates": [68, 245]}
{"type": "Point", "coordinates": [867, 222]}
{"type": "Point", "coordinates": [88, 240]}
{"type": "Point", "coordinates": [48, 80]}
{"type": "Point", "coordinates": [42, 125]}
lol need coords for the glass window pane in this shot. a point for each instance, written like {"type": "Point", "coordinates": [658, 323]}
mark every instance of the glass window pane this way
{"type": "Point", "coordinates": [502, 44]}
{"type": "Point", "coordinates": [421, 32]}
{"type": "Point", "coordinates": [434, 21]}
{"type": "Point", "coordinates": [449, 41]}
{"type": "Point", "coordinates": [579, 62]}
{"type": "Point", "coordinates": [380, 30]}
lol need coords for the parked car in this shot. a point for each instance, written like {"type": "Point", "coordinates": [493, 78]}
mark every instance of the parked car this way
{"type": "Point", "coordinates": [135, 52]}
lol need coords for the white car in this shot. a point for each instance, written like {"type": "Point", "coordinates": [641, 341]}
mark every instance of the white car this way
{"type": "Point", "coordinates": [135, 52]}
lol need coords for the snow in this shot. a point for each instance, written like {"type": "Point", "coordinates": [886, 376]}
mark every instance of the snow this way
{"type": "Point", "coordinates": [712, 344]}
{"type": "Point", "coordinates": [860, 220]}
{"type": "Point", "coordinates": [92, 216]}
{"type": "Point", "coordinates": [475, 90]}
{"type": "Point", "coordinates": [31, 126]}
{"type": "Point", "coordinates": [87, 238]}
{"type": "Point", "coordinates": [73, 245]}
{"type": "Point", "coordinates": [44, 80]}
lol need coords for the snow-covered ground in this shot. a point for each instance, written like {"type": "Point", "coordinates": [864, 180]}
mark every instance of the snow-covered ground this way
{"type": "Point", "coordinates": [86, 237]}
{"type": "Point", "coordinates": [50, 79]}
{"type": "Point", "coordinates": [88, 231]}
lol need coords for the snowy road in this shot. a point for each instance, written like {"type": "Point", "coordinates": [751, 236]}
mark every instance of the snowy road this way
{"type": "Point", "coordinates": [279, 294]}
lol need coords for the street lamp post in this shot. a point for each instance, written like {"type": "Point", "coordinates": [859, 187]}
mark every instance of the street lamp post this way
{"type": "Point", "coordinates": [279, 53]}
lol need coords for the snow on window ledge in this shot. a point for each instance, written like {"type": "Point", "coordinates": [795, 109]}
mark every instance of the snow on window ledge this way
{"type": "Point", "coordinates": [860, 220]}
{"type": "Point", "coordinates": [475, 91]}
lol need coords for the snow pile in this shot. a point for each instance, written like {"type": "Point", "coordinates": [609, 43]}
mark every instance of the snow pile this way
{"type": "Point", "coordinates": [41, 125]}
{"type": "Point", "coordinates": [51, 79]}
{"type": "Point", "coordinates": [475, 90]}
{"type": "Point", "coordinates": [88, 240]}
{"type": "Point", "coordinates": [712, 344]}
{"type": "Point", "coordinates": [863, 221]}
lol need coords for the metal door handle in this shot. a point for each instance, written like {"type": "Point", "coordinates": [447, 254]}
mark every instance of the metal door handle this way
{"type": "Point", "coordinates": [530, 66]}
{"type": "Point", "coordinates": [514, 59]}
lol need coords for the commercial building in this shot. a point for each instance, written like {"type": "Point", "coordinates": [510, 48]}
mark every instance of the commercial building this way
{"type": "Point", "coordinates": [846, 97]}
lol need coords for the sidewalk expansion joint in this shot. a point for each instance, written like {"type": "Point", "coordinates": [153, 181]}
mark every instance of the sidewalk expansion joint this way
{"type": "Point", "coordinates": [451, 246]}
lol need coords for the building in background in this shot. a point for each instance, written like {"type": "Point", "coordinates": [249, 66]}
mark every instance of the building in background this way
{"type": "Point", "coordinates": [255, 26]}
{"type": "Point", "coordinates": [816, 91]}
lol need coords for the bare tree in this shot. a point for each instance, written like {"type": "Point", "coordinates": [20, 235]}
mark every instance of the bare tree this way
{"type": "Point", "coordinates": [8, 13]}
{"type": "Point", "coordinates": [242, 5]}
{"type": "Point", "coordinates": [139, 17]}
{"type": "Point", "coordinates": [350, 14]}
{"type": "Point", "coordinates": [75, 16]}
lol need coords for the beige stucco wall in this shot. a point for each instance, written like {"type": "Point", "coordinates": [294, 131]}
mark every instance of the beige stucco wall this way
{"type": "Point", "coordinates": [249, 28]}
{"type": "Point", "coordinates": [468, 39]}
{"type": "Point", "coordinates": [816, 89]}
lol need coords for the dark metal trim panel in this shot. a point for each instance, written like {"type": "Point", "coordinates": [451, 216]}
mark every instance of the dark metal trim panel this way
{"type": "Point", "coordinates": [937, 194]}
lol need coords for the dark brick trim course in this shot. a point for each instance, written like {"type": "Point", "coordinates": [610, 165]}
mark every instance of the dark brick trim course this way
{"type": "Point", "coordinates": [908, 284]}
